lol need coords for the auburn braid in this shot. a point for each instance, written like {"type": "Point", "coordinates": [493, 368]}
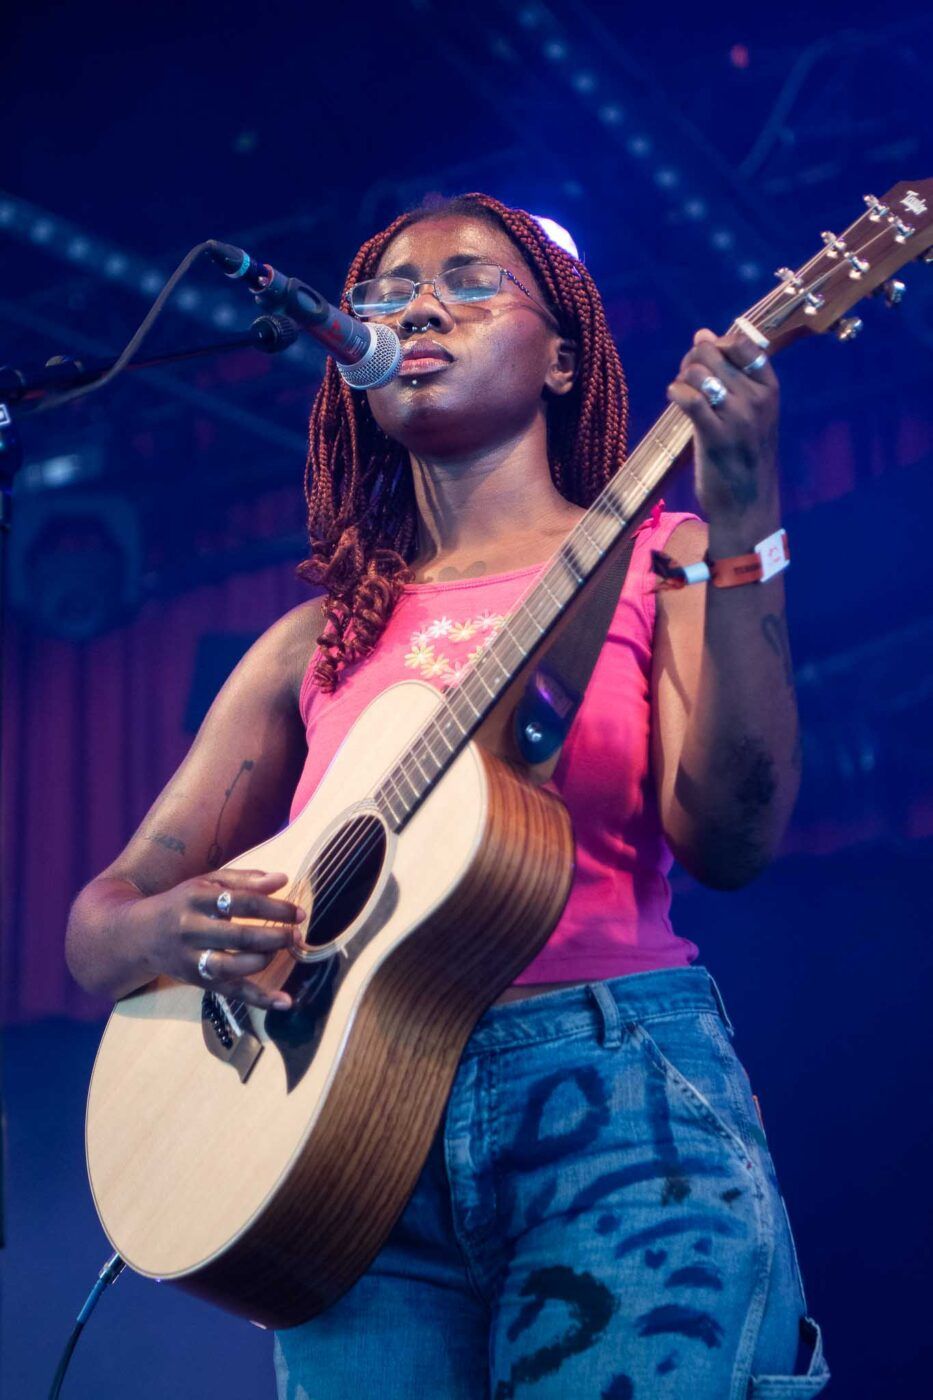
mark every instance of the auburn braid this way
{"type": "Point", "coordinates": [362, 518]}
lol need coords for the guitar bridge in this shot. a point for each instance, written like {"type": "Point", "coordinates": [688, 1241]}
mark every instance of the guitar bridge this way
{"type": "Point", "coordinates": [228, 1033]}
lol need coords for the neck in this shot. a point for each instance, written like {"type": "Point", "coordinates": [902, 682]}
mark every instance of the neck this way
{"type": "Point", "coordinates": [472, 503]}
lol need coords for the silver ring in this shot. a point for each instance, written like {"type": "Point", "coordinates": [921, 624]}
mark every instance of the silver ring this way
{"type": "Point", "coordinates": [203, 971]}
{"type": "Point", "coordinates": [714, 389]}
{"type": "Point", "coordinates": [757, 363]}
{"type": "Point", "coordinates": [223, 903]}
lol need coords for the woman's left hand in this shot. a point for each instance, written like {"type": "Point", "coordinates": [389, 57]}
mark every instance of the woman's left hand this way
{"type": "Point", "coordinates": [735, 445]}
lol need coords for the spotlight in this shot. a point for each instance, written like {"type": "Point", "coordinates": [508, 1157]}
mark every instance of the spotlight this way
{"type": "Point", "coordinates": [557, 234]}
{"type": "Point", "coordinates": [583, 82]}
{"type": "Point", "coordinates": [611, 114]}
{"type": "Point", "coordinates": [42, 231]}
{"type": "Point", "coordinates": [722, 239]}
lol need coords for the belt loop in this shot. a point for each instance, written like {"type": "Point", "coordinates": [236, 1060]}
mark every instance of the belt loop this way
{"type": "Point", "coordinates": [720, 1004]}
{"type": "Point", "coordinates": [607, 1006]}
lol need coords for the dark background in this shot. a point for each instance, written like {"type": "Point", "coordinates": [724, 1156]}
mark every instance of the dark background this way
{"type": "Point", "coordinates": [690, 151]}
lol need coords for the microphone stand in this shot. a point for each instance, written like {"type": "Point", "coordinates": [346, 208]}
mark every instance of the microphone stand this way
{"type": "Point", "coordinates": [38, 388]}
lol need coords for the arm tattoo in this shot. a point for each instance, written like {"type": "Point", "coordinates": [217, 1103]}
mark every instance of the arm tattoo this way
{"type": "Point", "coordinates": [171, 843]}
{"type": "Point", "coordinates": [215, 854]}
{"type": "Point", "coordinates": [774, 630]}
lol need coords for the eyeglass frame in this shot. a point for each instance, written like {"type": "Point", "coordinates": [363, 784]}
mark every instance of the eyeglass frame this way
{"type": "Point", "coordinates": [432, 283]}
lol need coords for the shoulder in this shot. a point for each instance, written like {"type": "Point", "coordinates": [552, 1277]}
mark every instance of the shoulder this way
{"type": "Point", "coordinates": [688, 540]}
{"type": "Point", "coordinates": [278, 660]}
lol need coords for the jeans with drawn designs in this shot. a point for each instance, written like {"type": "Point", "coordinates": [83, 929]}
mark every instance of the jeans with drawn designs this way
{"type": "Point", "coordinates": [598, 1217]}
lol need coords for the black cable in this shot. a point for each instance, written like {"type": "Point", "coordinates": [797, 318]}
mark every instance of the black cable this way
{"type": "Point", "coordinates": [55, 400]}
{"type": "Point", "coordinates": [111, 1271]}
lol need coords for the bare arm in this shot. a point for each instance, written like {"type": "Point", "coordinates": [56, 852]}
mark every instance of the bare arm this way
{"type": "Point", "coordinates": [726, 751]}
{"type": "Point", "coordinates": [725, 734]}
{"type": "Point", "coordinates": [139, 916]}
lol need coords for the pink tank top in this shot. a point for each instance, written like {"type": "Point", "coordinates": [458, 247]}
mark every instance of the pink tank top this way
{"type": "Point", "coordinates": [616, 919]}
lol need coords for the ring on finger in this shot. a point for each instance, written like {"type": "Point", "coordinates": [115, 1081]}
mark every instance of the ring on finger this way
{"type": "Point", "coordinates": [714, 389]}
{"type": "Point", "coordinates": [223, 903]}
{"type": "Point", "coordinates": [204, 971]}
{"type": "Point", "coordinates": [757, 363]}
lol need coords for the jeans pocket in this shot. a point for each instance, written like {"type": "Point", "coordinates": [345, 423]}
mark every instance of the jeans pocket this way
{"type": "Point", "coordinates": [682, 1050]}
{"type": "Point", "coordinates": [799, 1387]}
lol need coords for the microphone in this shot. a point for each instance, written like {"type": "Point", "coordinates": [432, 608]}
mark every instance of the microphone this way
{"type": "Point", "coordinates": [367, 355]}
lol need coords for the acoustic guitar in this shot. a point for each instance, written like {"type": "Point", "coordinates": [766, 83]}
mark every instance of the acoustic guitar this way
{"type": "Point", "coordinates": [259, 1159]}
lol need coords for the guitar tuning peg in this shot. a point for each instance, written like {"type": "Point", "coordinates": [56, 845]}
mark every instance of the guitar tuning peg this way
{"type": "Point", "coordinates": [848, 328]}
{"type": "Point", "coordinates": [894, 291]}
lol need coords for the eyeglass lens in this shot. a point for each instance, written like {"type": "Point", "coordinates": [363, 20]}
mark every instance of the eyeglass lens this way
{"type": "Point", "coordinates": [386, 296]}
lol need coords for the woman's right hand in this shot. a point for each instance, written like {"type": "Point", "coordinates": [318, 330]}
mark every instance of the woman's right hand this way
{"type": "Point", "coordinates": [178, 925]}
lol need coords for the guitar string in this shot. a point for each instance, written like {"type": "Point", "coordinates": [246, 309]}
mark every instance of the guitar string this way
{"type": "Point", "coordinates": [365, 845]}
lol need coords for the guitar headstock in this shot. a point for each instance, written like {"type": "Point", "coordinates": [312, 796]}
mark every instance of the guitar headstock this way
{"type": "Point", "coordinates": [893, 231]}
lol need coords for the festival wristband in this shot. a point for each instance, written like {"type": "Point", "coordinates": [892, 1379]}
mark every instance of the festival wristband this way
{"type": "Point", "coordinates": [770, 556]}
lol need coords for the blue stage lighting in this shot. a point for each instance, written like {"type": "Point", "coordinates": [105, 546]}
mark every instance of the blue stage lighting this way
{"type": "Point", "coordinates": [722, 239]}
{"type": "Point", "coordinates": [584, 82]}
{"type": "Point", "coordinates": [638, 145]}
{"type": "Point", "coordinates": [611, 114]}
{"type": "Point", "coordinates": [42, 230]}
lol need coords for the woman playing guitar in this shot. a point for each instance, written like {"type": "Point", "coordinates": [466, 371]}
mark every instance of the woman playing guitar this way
{"type": "Point", "coordinates": [598, 1214]}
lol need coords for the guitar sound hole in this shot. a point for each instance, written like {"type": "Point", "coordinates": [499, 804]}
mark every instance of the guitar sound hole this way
{"type": "Point", "coordinates": [343, 877]}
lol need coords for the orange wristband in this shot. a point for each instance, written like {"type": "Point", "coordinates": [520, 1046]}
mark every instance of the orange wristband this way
{"type": "Point", "coordinates": [770, 556]}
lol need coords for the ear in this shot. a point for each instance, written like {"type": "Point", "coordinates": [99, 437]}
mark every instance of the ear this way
{"type": "Point", "coordinates": [562, 370]}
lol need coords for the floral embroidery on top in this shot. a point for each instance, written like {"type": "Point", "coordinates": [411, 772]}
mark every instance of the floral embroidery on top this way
{"type": "Point", "coordinates": [438, 666]}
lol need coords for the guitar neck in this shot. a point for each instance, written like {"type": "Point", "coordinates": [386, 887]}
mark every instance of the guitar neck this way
{"type": "Point", "coordinates": [461, 712]}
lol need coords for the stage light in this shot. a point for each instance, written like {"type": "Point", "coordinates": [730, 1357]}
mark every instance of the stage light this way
{"type": "Point", "coordinates": [611, 114]}
{"type": "Point", "coordinates": [721, 239]}
{"type": "Point", "coordinates": [666, 178]}
{"type": "Point", "coordinates": [583, 82]}
{"type": "Point", "coordinates": [188, 299]}
{"type": "Point", "coordinates": [695, 209]}
{"type": "Point", "coordinates": [528, 16]}
{"type": "Point", "coordinates": [115, 265]}
{"type": "Point", "coordinates": [555, 50]}
{"type": "Point", "coordinates": [638, 146]}
{"type": "Point", "coordinates": [151, 282]}
{"type": "Point", "coordinates": [224, 316]}
{"type": "Point", "coordinates": [748, 271]}
{"type": "Point", "coordinates": [78, 248]}
{"type": "Point", "coordinates": [42, 231]}
{"type": "Point", "coordinates": [7, 213]}
{"type": "Point", "coordinates": [557, 234]}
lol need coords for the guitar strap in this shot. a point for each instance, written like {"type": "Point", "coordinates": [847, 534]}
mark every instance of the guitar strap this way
{"type": "Point", "coordinates": [555, 690]}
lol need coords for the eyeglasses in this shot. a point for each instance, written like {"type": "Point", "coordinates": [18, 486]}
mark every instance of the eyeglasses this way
{"type": "Point", "coordinates": [387, 296]}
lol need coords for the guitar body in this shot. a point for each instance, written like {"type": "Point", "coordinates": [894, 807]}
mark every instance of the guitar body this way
{"type": "Point", "coordinates": [259, 1159]}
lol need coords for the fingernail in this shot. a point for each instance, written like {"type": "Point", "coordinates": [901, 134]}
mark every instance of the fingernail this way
{"type": "Point", "coordinates": [281, 1003]}
{"type": "Point", "coordinates": [301, 914]}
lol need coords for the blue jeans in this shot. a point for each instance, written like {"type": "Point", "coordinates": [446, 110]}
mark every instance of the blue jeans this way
{"type": "Point", "coordinates": [598, 1217]}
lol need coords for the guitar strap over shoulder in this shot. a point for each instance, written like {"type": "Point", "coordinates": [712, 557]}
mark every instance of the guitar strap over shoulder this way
{"type": "Point", "coordinates": [555, 690]}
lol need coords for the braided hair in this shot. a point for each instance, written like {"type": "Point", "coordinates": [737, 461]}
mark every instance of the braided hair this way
{"type": "Point", "coordinates": [362, 517]}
